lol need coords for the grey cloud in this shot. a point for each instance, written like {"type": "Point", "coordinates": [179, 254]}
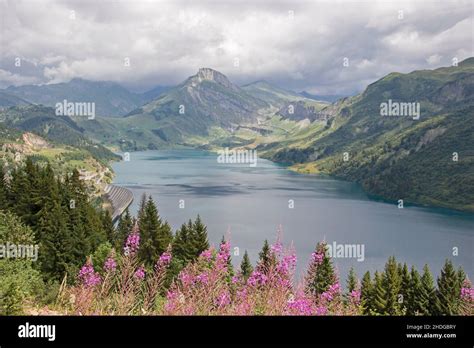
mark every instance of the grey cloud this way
{"type": "Point", "coordinates": [166, 41]}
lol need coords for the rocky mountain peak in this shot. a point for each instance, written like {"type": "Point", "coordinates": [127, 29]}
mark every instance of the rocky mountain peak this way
{"type": "Point", "coordinates": [208, 74]}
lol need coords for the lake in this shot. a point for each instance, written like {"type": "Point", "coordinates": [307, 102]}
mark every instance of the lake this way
{"type": "Point", "coordinates": [254, 202]}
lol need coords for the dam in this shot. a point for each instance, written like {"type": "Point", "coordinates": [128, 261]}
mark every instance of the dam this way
{"type": "Point", "coordinates": [120, 198]}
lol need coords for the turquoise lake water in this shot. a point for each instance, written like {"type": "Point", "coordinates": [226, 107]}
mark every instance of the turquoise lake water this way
{"type": "Point", "coordinates": [253, 203]}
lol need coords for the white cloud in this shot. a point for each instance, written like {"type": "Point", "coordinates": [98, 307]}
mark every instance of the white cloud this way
{"type": "Point", "coordinates": [166, 41]}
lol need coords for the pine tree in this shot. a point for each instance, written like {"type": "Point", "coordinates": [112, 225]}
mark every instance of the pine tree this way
{"type": "Point", "coordinates": [351, 280]}
{"type": "Point", "coordinates": [182, 249]}
{"type": "Point", "coordinates": [447, 296]}
{"type": "Point", "coordinates": [124, 227]}
{"type": "Point", "coordinates": [379, 295]}
{"type": "Point", "coordinates": [155, 234]}
{"type": "Point", "coordinates": [246, 268]}
{"type": "Point", "coordinates": [142, 205]}
{"type": "Point", "coordinates": [391, 283]}
{"type": "Point", "coordinates": [199, 237]}
{"type": "Point", "coordinates": [405, 289]}
{"type": "Point", "coordinates": [414, 298]}
{"type": "Point", "coordinates": [366, 293]}
{"type": "Point", "coordinates": [108, 226]}
{"type": "Point", "coordinates": [427, 293]}
{"type": "Point", "coordinates": [320, 275]}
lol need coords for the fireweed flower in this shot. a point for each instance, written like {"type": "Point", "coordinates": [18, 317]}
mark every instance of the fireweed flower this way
{"type": "Point", "coordinates": [186, 278]}
{"type": "Point", "coordinates": [467, 294]}
{"type": "Point", "coordinates": [300, 306]}
{"type": "Point", "coordinates": [317, 257]}
{"type": "Point", "coordinates": [355, 296]}
{"type": "Point", "coordinates": [165, 258]}
{"type": "Point", "coordinates": [257, 278]}
{"type": "Point", "coordinates": [223, 299]}
{"type": "Point", "coordinates": [207, 254]}
{"type": "Point", "coordinates": [132, 243]}
{"type": "Point", "coordinates": [332, 292]}
{"type": "Point", "coordinates": [276, 248]}
{"type": "Point", "coordinates": [139, 273]}
{"type": "Point", "coordinates": [88, 276]}
{"type": "Point", "coordinates": [203, 278]}
{"type": "Point", "coordinates": [110, 264]}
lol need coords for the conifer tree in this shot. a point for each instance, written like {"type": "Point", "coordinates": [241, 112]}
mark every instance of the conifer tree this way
{"type": "Point", "coordinates": [320, 275]}
{"type": "Point", "coordinates": [427, 293]}
{"type": "Point", "coordinates": [379, 295]}
{"type": "Point", "coordinates": [391, 283]}
{"type": "Point", "coordinates": [108, 226]}
{"type": "Point", "coordinates": [414, 294]}
{"type": "Point", "coordinates": [124, 227]}
{"type": "Point", "coordinates": [182, 249]}
{"type": "Point", "coordinates": [246, 268]}
{"type": "Point", "coordinates": [405, 289]}
{"type": "Point", "coordinates": [447, 295]}
{"type": "Point", "coordinates": [366, 293]}
{"type": "Point", "coordinates": [199, 237]}
{"type": "Point", "coordinates": [351, 280]}
{"type": "Point", "coordinates": [155, 234]}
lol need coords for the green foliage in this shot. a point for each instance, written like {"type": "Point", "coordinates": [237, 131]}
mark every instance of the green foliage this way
{"type": "Point", "coordinates": [449, 287]}
{"type": "Point", "coordinates": [124, 227]}
{"type": "Point", "coordinates": [351, 280]}
{"type": "Point", "coordinates": [366, 293]}
{"type": "Point", "coordinates": [19, 281]}
{"type": "Point", "coordinates": [155, 235]}
{"type": "Point", "coordinates": [321, 274]}
{"type": "Point", "coordinates": [246, 268]}
{"type": "Point", "coordinates": [63, 221]}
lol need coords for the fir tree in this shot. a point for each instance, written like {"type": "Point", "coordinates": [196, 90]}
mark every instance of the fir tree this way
{"type": "Point", "coordinates": [155, 235]}
{"type": "Point", "coordinates": [351, 280]}
{"type": "Point", "coordinates": [320, 275]}
{"type": "Point", "coordinates": [392, 283]}
{"type": "Point", "coordinates": [447, 296]}
{"type": "Point", "coordinates": [405, 289]}
{"type": "Point", "coordinates": [182, 248]}
{"type": "Point", "coordinates": [366, 293]}
{"type": "Point", "coordinates": [426, 297]}
{"type": "Point", "coordinates": [108, 226]}
{"type": "Point", "coordinates": [414, 299]}
{"type": "Point", "coordinates": [124, 227]}
{"type": "Point", "coordinates": [246, 268]}
{"type": "Point", "coordinates": [199, 237]}
{"type": "Point", "coordinates": [379, 295]}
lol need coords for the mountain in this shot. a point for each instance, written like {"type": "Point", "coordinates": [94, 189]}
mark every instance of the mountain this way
{"type": "Point", "coordinates": [397, 157]}
{"type": "Point", "coordinates": [7, 100]}
{"type": "Point", "coordinates": [331, 98]}
{"type": "Point", "coordinates": [205, 100]}
{"type": "Point", "coordinates": [63, 130]}
{"type": "Point", "coordinates": [153, 93]}
{"type": "Point", "coordinates": [110, 98]}
{"type": "Point", "coordinates": [273, 95]}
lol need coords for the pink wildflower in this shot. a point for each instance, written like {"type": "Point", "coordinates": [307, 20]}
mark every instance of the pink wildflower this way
{"type": "Point", "coordinates": [140, 273]}
{"type": "Point", "coordinates": [110, 265]}
{"type": "Point", "coordinates": [88, 276]}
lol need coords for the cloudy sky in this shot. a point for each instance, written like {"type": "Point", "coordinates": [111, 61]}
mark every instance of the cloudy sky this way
{"type": "Point", "coordinates": [299, 45]}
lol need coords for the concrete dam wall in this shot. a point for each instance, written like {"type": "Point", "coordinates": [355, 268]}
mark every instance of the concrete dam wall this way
{"type": "Point", "coordinates": [120, 198]}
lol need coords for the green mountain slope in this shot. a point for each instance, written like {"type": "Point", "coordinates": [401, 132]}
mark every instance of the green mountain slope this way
{"type": "Point", "coordinates": [42, 121]}
{"type": "Point", "coordinates": [7, 100]}
{"type": "Point", "coordinates": [110, 98]}
{"type": "Point", "coordinates": [397, 157]}
{"type": "Point", "coordinates": [204, 100]}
